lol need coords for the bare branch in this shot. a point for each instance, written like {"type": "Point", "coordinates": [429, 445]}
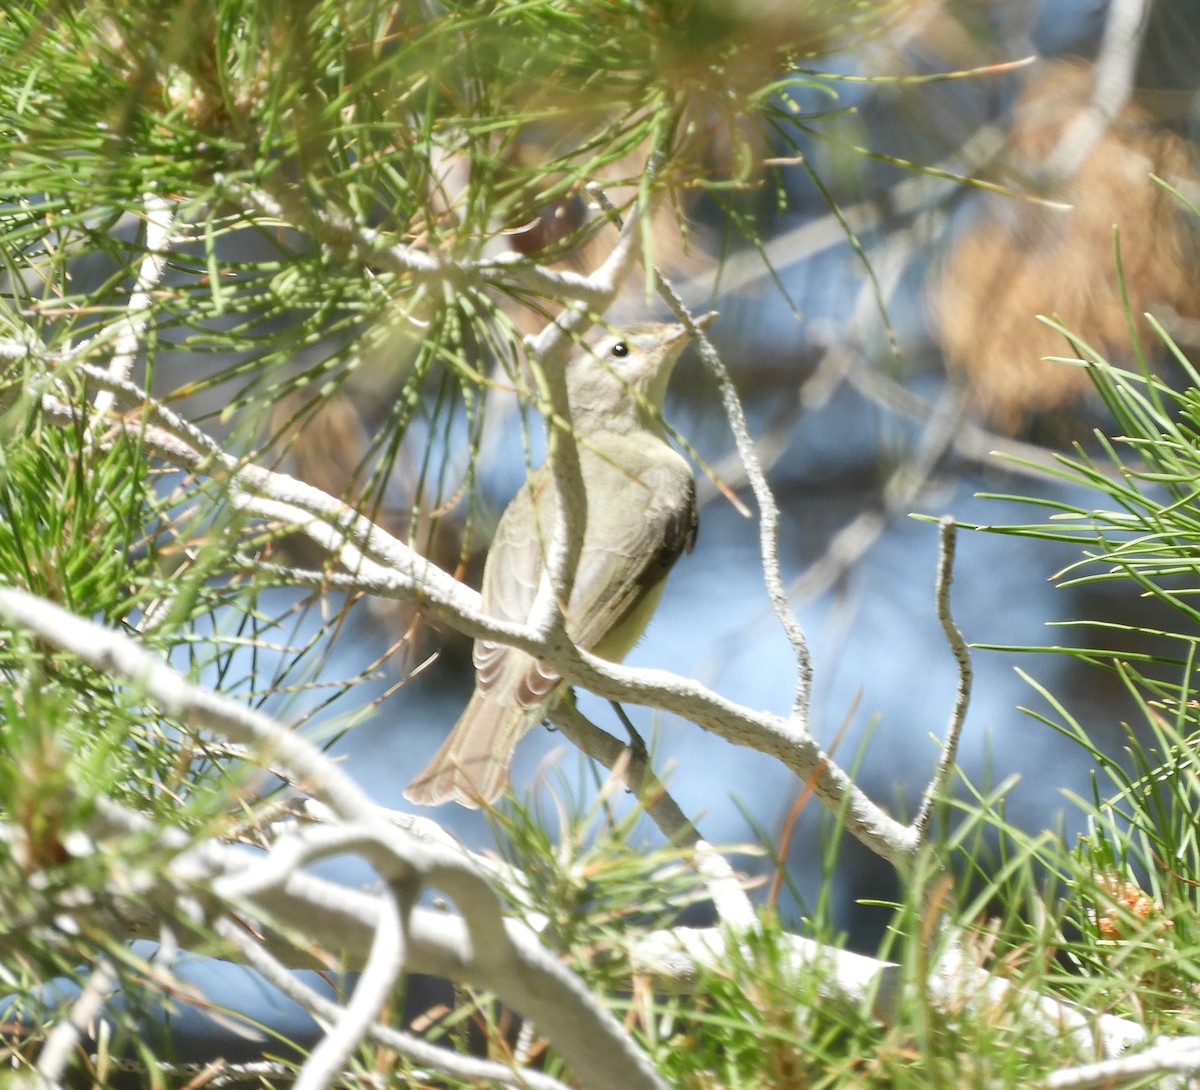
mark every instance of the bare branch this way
{"type": "Point", "coordinates": [632, 768]}
{"type": "Point", "coordinates": [956, 981]}
{"type": "Point", "coordinates": [215, 1075]}
{"type": "Point", "coordinates": [962, 698]}
{"type": "Point", "coordinates": [726, 888]}
{"type": "Point", "coordinates": [914, 192]}
{"type": "Point", "coordinates": [422, 1052]}
{"type": "Point", "coordinates": [547, 352]}
{"type": "Point", "coordinates": [676, 961]}
{"type": "Point", "coordinates": [763, 731]}
{"type": "Point", "coordinates": [1172, 1056]}
{"type": "Point", "coordinates": [326, 1063]}
{"type": "Point", "coordinates": [118, 656]}
{"type": "Point", "coordinates": [382, 563]}
{"type": "Point", "coordinates": [768, 509]}
{"type": "Point", "coordinates": [131, 327]}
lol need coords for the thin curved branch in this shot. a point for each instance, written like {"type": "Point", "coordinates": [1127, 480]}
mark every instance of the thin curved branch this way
{"type": "Point", "coordinates": [547, 354]}
{"type": "Point", "coordinates": [326, 1063]}
{"type": "Point", "coordinates": [1171, 1056]}
{"type": "Point", "coordinates": [962, 697]}
{"type": "Point", "coordinates": [64, 1037]}
{"type": "Point", "coordinates": [633, 769]}
{"type": "Point", "coordinates": [763, 731]}
{"type": "Point", "coordinates": [768, 509]}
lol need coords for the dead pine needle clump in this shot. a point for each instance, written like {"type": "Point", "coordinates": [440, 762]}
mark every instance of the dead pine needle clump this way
{"type": "Point", "coordinates": [1022, 258]}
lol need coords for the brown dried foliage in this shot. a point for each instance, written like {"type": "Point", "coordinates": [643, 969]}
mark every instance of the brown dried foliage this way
{"type": "Point", "coordinates": [1023, 259]}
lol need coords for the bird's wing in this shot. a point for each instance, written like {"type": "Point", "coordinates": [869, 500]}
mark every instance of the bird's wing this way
{"type": "Point", "coordinates": [644, 526]}
{"type": "Point", "coordinates": [510, 584]}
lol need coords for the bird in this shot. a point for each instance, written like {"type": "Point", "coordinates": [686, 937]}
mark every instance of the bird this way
{"type": "Point", "coordinates": [639, 517]}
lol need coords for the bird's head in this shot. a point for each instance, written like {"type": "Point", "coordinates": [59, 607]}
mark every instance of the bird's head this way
{"type": "Point", "coordinates": [619, 382]}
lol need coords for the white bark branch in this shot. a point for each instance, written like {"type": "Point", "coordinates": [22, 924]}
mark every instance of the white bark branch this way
{"type": "Point", "coordinates": [414, 1048]}
{"type": "Point", "coordinates": [283, 901]}
{"type": "Point", "coordinates": [631, 765]}
{"type": "Point", "coordinates": [382, 969]}
{"type": "Point", "coordinates": [1173, 1056]}
{"type": "Point", "coordinates": [547, 354]}
{"type": "Point", "coordinates": [768, 509]}
{"type": "Point", "coordinates": [962, 658]}
{"type": "Point", "coordinates": [131, 327]}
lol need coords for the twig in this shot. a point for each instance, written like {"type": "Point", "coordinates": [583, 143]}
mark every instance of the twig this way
{"type": "Point", "coordinates": [726, 888]}
{"type": "Point", "coordinates": [547, 352]}
{"type": "Point", "coordinates": [385, 962]}
{"type": "Point", "coordinates": [18, 348]}
{"type": "Point", "coordinates": [118, 656]}
{"type": "Point", "coordinates": [159, 217]}
{"type": "Point", "coordinates": [212, 1076]}
{"type": "Point", "coordinates": [768, 509]}
{"type": "Point", "coordinates": [633, 768]}
{"type": "Point", "coordinates": [962, 697]}
{"type": "Point", "coordinates": [384, 564]}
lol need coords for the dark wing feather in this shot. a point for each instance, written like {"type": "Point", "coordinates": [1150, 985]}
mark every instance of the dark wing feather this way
{"type": "Point", "coordinates": [641, 507]}
{"type": "Point", "coordinates": [510, 584]}
{"type": "Point", "coordinates": [648, 526]}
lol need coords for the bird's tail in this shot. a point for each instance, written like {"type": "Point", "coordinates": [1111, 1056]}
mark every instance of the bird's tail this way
{"type": "Point", "coordinates": [472, 765]}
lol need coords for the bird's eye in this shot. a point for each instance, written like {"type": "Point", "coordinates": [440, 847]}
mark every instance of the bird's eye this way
{"type": "Point", "coordinates": [620, 350]}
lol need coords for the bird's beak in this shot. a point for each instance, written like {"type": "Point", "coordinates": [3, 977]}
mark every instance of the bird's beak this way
{"type": "Point", "coordinates": [705, 320]}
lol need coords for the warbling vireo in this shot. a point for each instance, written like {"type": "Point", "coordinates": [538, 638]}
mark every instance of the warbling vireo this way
{"type": "Point", "coordinates": [640, 503]}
